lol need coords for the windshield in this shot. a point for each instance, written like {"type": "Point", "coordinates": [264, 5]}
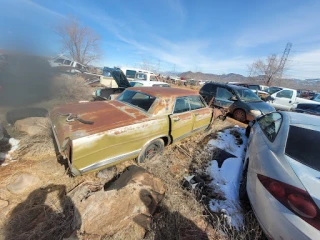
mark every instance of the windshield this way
{"type": "Point", "coordinates": [246, 95]}
{"type": "Point", "coordinates": [138, 99]}
{"type": "Point", "coordinates": [272, 90]}
{"type": "Point", "coordinates": [254, 87]}
{"type": "Point", "coordinates": [302, 145]}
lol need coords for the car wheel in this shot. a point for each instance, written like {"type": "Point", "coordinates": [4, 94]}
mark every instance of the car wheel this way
{"type": "Point", "coordinates": [148, 152]}
{"type": "Point", "coordinates": [248, 129]}
{"type": "Point", "coordinates": [243, 195]}
{"type": "Point", "coordinates": [239, 115]}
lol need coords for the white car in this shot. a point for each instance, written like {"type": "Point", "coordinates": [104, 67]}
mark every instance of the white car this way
{"type": "Point", "coordinates": [142, 83]}
{"type": "Point", "coordinates": [283, 174]}
{"type": "Point", "coordinates": [286, 99]}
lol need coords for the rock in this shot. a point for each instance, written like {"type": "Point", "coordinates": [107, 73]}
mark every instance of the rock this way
{"type": "Point", "coordinates": [124, 208]}
{"type": "Point", "coordinates": [23, 182]}
{"type": "Point", "coordinates": [3, 203]}
{"type": "Point", "coordinates": [107, 173]}
{"type": "Point", "coordinates": [33, 126]}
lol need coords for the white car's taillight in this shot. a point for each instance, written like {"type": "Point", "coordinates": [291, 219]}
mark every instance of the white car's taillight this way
{"type": "Point", "coordinates": [295, 199]}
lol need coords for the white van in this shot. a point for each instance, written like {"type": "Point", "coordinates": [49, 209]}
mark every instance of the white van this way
{"type": "Point", "coordinates": [139, 74]}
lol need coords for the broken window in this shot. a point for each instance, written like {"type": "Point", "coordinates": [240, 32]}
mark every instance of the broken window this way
{"type": "Point", "coordinates": [270, 125]}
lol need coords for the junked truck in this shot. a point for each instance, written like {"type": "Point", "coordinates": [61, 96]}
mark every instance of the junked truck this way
{"type": "Point", "coordinates": [138, 124]}
{"type": "Point", "coordinates": [286, 99]}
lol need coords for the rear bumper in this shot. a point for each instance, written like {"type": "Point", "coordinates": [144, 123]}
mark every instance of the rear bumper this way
{"type": "Point", "coordinates": [277, 221]}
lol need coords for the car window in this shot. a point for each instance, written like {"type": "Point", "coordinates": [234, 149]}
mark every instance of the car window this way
{"type": "Point", "coordinates": [135, 84]}
{"type": "Point", "coordinates": [130, 73]}
{"type": "Point", "coordinates": [247, 95]}
{"type": "Point", "coordinates": [254, 87]}
{"type": "Point", "coordinates": [181, 105]}
{"type": "Point", "coordinates": [196, 102]}
{"type": "Point", "coordinates": [210, 88]}
{"type": "Point", "coordinates": [67, 62]}
{"type": "Point", "coordinates": [153, 78]}
{"type": "Point", "coordinates": [141, 76]}
{"type": "Point", "coordinates": [223, 93]}
{"type": "Point", "coordinates": [302, 145]}
{"type": "Point", "coordinates": [285, 94]}
{"type": "Point", "coordinates": [59, 60]}
{"type": "Point", "coordinates": [270, 125]}
{"type": "Point", "coordinates": [138, 99]}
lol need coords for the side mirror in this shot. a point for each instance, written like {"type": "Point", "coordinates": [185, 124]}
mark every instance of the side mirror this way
{"type": "Point", "coordinates": [234, 98]}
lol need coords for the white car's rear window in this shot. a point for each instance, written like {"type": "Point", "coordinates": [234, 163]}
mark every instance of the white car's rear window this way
{"type": "Point", "coordinates": [303, 146]}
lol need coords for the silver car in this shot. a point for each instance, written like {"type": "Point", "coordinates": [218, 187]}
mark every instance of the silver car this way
{"type": "Point", "coordinates": [283, 174]}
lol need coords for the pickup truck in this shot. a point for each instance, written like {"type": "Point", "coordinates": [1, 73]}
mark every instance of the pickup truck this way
{"type": "Point", "coordinates": [286, 99]}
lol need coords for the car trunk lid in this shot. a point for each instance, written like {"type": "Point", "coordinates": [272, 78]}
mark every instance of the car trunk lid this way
{"type": "Point", "coordinates": [101, 116]}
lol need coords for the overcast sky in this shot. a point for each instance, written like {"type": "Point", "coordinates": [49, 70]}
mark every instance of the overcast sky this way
{"type": "Point", "coordinates": [209, 36]}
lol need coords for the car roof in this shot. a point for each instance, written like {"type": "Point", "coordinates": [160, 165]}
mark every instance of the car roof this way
{"type": "Point", "coordinates": [304, 120]}
{"type": "Point", "coordinates": [164, 92]}
{"type": "Point", "coordinates": [227, 85]}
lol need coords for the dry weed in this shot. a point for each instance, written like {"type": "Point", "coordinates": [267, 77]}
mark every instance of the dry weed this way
{"type": "Point", "coordinates": [71, 88]}
{"type": "Point", "coordinates": [36, 147]}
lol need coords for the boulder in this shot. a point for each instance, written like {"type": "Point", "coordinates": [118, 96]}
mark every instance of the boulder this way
{"type": "Point", "coordinates": [23, 182]}
{"type": "Point", "coordinates": [33, 126]}
{"type": "Point", "coordinates": [3, 203]}
{"type": "Point", "coordinates": [123, 209]}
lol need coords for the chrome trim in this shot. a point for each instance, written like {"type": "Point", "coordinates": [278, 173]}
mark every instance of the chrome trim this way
{"type": "Point", "coordinates": [55, 134]}
{"type": "Point", "coordinates": [107, 161]}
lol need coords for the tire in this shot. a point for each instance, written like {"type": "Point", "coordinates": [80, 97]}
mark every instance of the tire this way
{"type": "Point", "coordinates": [248, 129]}
{"type": "Point", "coordinates": [243, 195]}
{"type": "Point", "coordinates": [152, 149]}
{"type": "Point", "coordinates": [240, 115]}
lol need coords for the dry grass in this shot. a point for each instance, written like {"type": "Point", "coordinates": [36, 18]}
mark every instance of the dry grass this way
{"type": "Point", "coordinates": [183, 214]}
{"type": "Point", "coordinates": [71, 88]}
{"type": "Point", "coordinates": [36, 147]}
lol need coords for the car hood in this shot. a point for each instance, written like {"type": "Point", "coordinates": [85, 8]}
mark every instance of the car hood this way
{"type": "Point", "coordinates": [262, 106]}
{"type": "Point", "coordinates": [103, 115]}
{"type": "Point", "coordinates": [118, 76]}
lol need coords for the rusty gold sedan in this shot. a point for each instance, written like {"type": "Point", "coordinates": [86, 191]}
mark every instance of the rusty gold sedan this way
{"type": "Point", "coordinates": [138, 124]}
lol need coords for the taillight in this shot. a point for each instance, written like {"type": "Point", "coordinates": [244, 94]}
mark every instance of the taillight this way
{"type": "Point", "coordinates": [295, 199]}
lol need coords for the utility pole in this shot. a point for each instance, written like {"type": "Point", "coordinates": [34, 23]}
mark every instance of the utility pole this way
{"type": "Point", "coordinates": [284, 58]}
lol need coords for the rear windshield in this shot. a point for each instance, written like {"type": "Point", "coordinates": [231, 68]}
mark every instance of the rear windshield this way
{"type": "Point", "coordinates": [303, 146]}
{"type": "Point", "coordinates": [138, 99]}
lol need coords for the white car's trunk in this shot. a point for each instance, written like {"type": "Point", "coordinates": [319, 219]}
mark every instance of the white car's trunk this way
{"type": "Point", "coordinates": [309, 177]}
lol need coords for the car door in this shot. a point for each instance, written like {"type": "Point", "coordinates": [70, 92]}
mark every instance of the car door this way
{"type": "Point", "coordinates": [223, 98]}
{"type": "Point", "coordinates": [201, 113]}
{"type": "Point", "coordinates": [283, 99]}
{"type": "Point", "coordinates": [182, 119]}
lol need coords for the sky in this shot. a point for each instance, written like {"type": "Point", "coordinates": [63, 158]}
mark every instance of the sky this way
{"type": "Point", "coordinates": [210, 36]}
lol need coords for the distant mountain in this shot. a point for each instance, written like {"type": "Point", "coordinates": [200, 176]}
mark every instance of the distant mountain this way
{"type": "Point", "coordinates": [231, 77]}
{"type": "Point", "coordinates": [310, 84]}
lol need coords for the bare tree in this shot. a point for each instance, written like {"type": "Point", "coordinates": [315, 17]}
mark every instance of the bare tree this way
{"type": "Point", "coordinates": [81, 42]}
{"type": "Point", "coordinates": [269, 69]}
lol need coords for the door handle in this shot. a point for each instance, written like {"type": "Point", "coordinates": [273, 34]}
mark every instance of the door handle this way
{"type": "Point", "coordinates": [176, 119]}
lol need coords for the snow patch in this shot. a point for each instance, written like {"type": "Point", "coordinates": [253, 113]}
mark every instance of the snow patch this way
{"type": "Point", "coordinates": [226, 179]}
{"type": "Point", "coordinates": [8, 155]}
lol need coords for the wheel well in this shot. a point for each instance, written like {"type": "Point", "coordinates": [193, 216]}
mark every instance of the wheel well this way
{"type": "Point", "coordinates": [166, 140]}
{"type": "Point", "coordinates": [239, 109]}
